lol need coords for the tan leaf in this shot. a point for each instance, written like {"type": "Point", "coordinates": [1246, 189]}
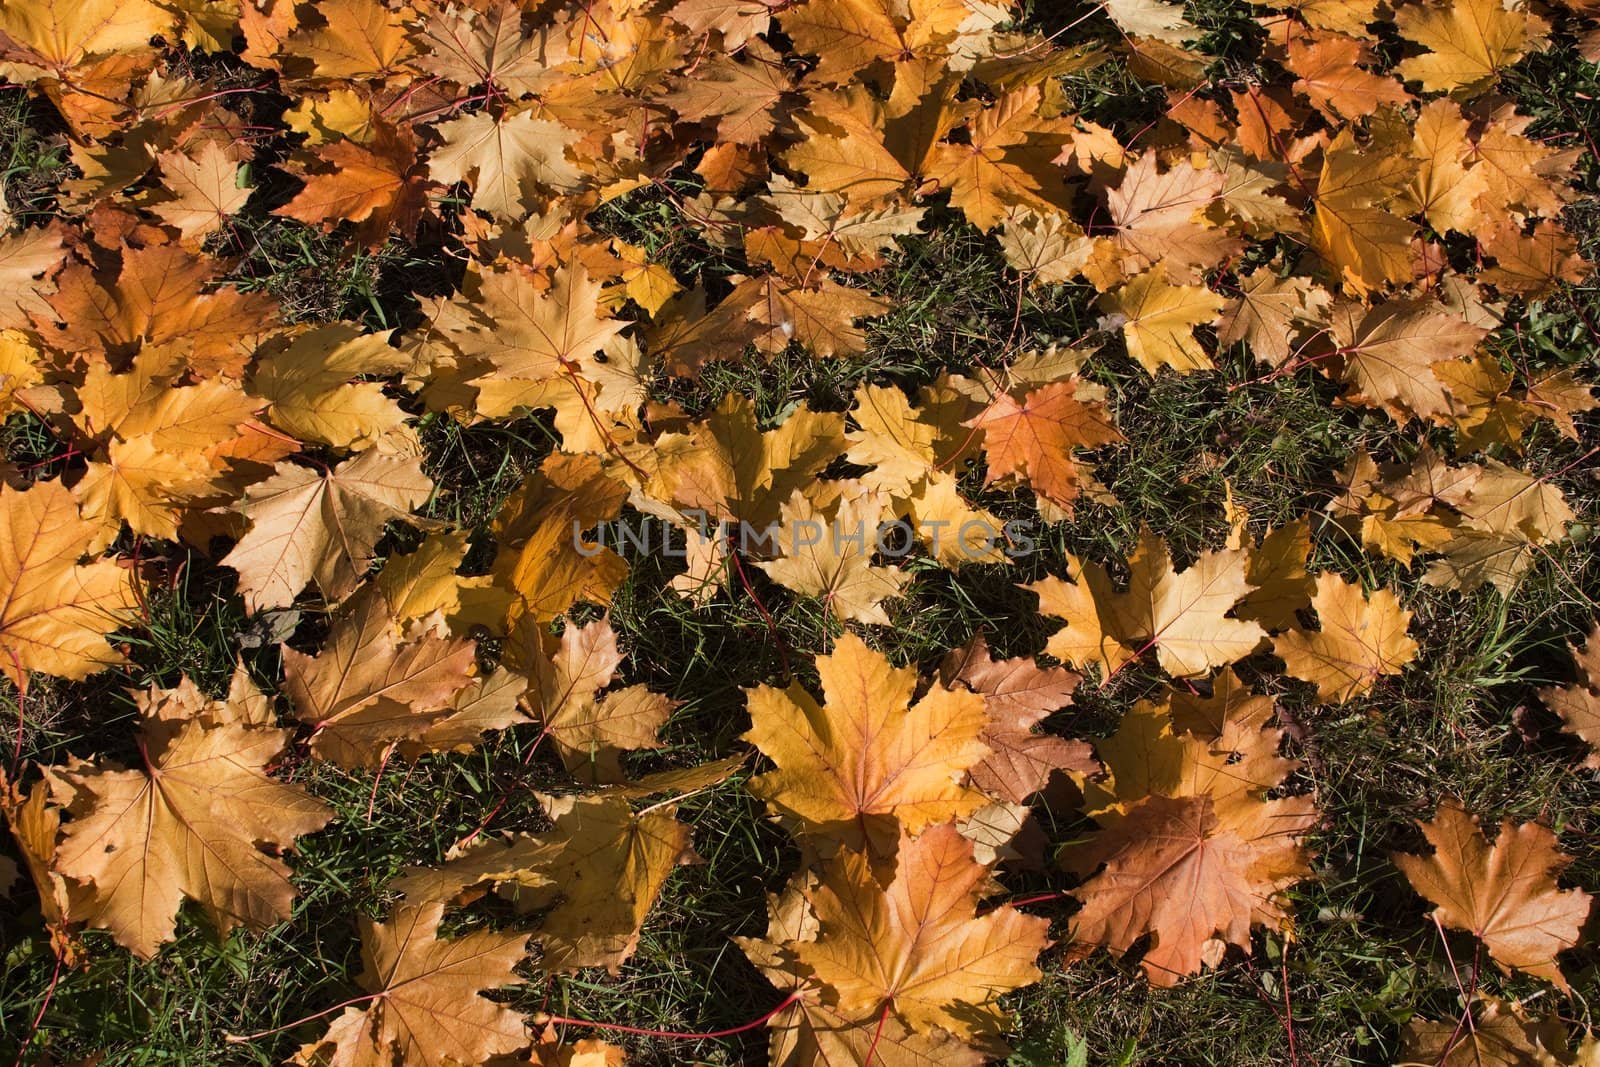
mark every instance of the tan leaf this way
{"type": "Point", "coordinates": [512, 164]}
{"type": "Point", "coordinates": [369, 688]}
{"type": "Point", "coordinates": [1496, 1033]}
{"type": "Point", "coordinates": [1018, 695]}
{"type": "Point", "coordinates": [1160, 217]}
{"type": "Point", "coordinates": [190, 824]}
{"type": "Point", "coordinates": [1008, 162]}
{"type": "Point", "coordinates": [1271, 313]}
{"type": "Point", "coordinates": [427, 1010]}
{"type": "Point", "coordinates": [374, 185]}
{"type": "Point", "coordinates": [1504, 894]}
{"type": "Point", "coordinates": [566, 679]}
{"type": "Point", "coordinates": [1578, 704]}
{"type": "Point", "coordinates": [1326, 64]}
{"type": "Point", "coordinates": [158, 298]}
{"type": "Point", "coordinates": [305, 525]}
{"type": "Point", "coordinates": [1388, 354]}
{"type": "Point", "coordinates": [205, 191]}
{"type": "Point", "coordinates": [358, 39]}
{"type": "Point", "coordinates": [1367, 245]}
{"type": "Point", "coordinates": [474, 48]}
{"type": "Point", "coordinates": [830, 556]}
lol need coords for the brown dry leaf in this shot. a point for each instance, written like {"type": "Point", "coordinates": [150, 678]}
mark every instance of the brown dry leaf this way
{"type": "Point", "coordinates": [743, 101]}
{"type": "Point", "coordinates": [725, 466]}
{"type": "Point", "coordinates": [551, 1051]}
{"type": "Point", "coordinates": [1171, 873]}
{"type": "Point", "coordinates": [811, 1033]}
{"type": "Point", "coordinates": [374, 185]}
{"type": "Point", "coordinates": [1161, 218]}
{"type": "Point", "coordinates": [905, 443]}
{"type": "Point", "coordinates": [370, 687]}
{"type": "Point", "coordinates": [601, 865]}
{"type": "Point", "coordinates": [1034, 440]}
{"type": "Point", "coordinates": [852, 145]}
{"type": "Point", "coordinates": [848, 36]}
{"type": "Point", "coordinates": [1198, 809]}
{"type": "Point", "coordinates": [1504, 894]}
{"type": "Point", "coordinates": [1506, 515]}
{"type": "Point", "coordinates": [427, 1010]}
{"type": "Point", "coordinates": [1388, 353]}
{"type": "Point", "coordinates": [1578, 704]}
{"type": "Point", "coordinates": [566, 676]}
{"type": "Point", "coordinates": [867, 761]}
{"type": "Point", "coordinates": [57, 612]}
{"type": "Point", "coordinates": [610, 871]}
{"type": "Point", "coordinates": [829, 555]}
{"type": "Point", "coordinates": [1447, 189]}
{"type": "Point", "coordinates": [190, 824]}
{"type": "Point", "coordinates": [1018, 695]}
{"type": "Point", "coordinates": [204, 190]}
{"type": "Point", "coordinates": [490, 47]}
{"type": "Point", "coordinates": [1230, 710]}
{"type": "Point", "coordinates": [488, 703]}
{"type": "Point", "coordinates": [1278, 570]}
{"type": "Point", "coordinates": [1360, 639]}
{"type": "Point", "coordinates": [1008, 161]}
{"type": "Point", "coordinates": [1272, 313]}
{"type": "Point", "coordinates": [821, 316]}
{"type": "Point", "coordinates": [36, 829]}
{"type": "Point", "coordinates": [158, 300]}
{"type": "Point", "coordinates": [1150, 756]}
{"type": "Point", "coordinates": [27, 259]}
{"type": "Point", "coordinates": [307, 526]}
{"type": "Point", "coordinates": [159, 448]}
{"type": "Point", "coordinates": [523, 334]}
{"type": "Point", "coordinates": [1493, 1033]}
{"type": "Point", "coordinates": [912, 944]}
{"type": "Point", "coordinates": [736, 20]}
{"type": "Point", "coordinates": [1328, 75]}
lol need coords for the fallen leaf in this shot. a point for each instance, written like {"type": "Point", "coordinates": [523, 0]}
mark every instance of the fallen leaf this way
{"type": "Point", "coordinates": [1504, 894]}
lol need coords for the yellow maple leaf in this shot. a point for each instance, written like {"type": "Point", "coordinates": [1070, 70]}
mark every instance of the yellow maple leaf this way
{"type": "Point", "coordinates": [1158, 319]}
{"type": "Point", "coordinates": [867, 760]}
{"type": "Point", "coordinates": [827, 553]}
{"type": "Point", "coordinates": [1468, 42]}
{"type": "Point", "coordinates": [1361, 638]}
{"type": "Point", "coordinates": [56, 611]}
{"type": "Point", "coordinates": [913, 945]}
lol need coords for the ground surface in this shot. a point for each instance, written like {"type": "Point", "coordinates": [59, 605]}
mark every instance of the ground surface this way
{"type": "Point", "coordinates": [1461, 720]}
